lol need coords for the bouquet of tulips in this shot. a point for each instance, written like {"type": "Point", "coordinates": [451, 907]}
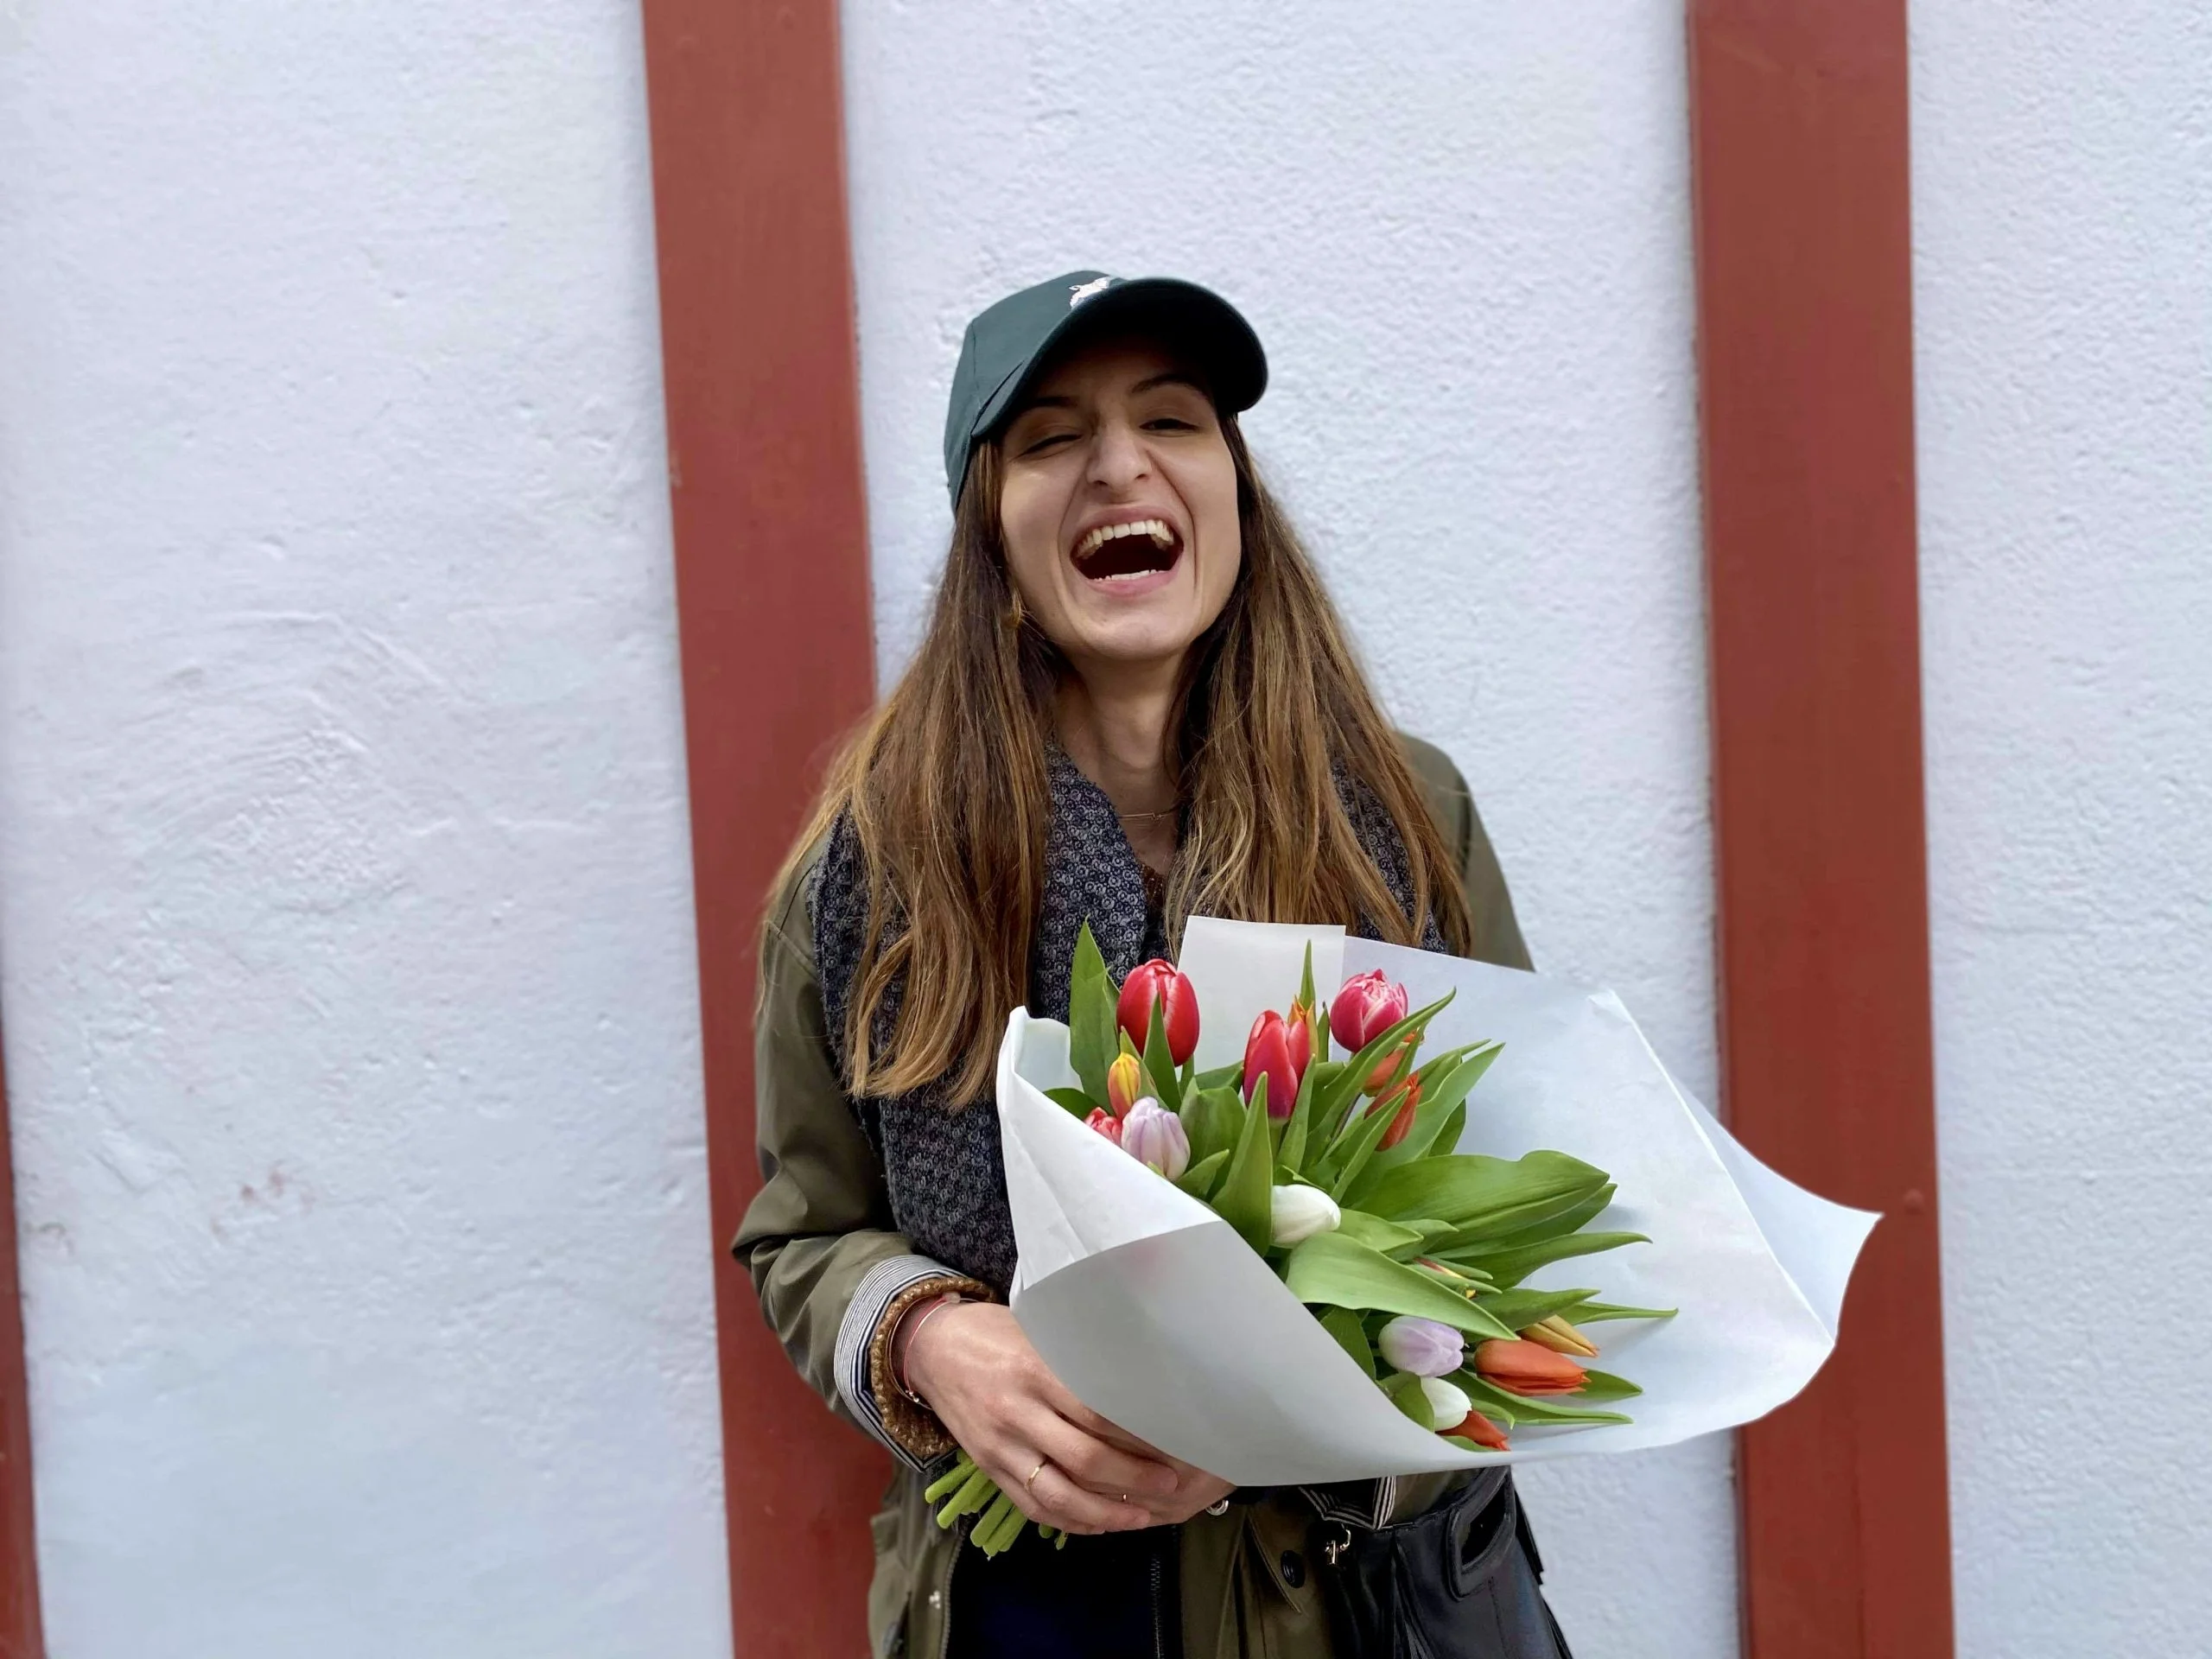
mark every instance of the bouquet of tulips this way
{"type": "Point", "coordinates": [1330, 1149]}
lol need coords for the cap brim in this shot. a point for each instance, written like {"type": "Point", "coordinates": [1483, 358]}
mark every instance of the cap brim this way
{"type": "Point", "coordinates": [1191, 318]}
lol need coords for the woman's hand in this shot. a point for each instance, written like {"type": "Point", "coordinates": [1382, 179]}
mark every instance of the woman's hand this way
{"type": "Point", "coordinates": [1002, 1403]}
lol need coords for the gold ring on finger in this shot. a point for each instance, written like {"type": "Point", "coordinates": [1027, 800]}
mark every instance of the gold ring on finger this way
{"type": "Point", "coordinates": [1030, 1485]}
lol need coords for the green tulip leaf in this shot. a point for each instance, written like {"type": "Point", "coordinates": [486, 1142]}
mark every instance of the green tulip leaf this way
{"type": "Point", "coordinates": [1377, 1233]}
{"type": "Point", "coordinates": [1345, 1326]}
{"type": "Point", "coordinates": [1603, 1385]}
{"type": "Point", "coordinates": [1509, 1268]}
{"type": "Point", "coordinates": [1494, 1402]}
{"type": "Point", "coordinates": [1404, 1390]}
{"type": "Point", "coordinates": [1212, 1121]}
{"type": "Point", "coordinates": [1220, 1076]}
{"type": "Point", "coordinates": [1522, 1308]}
{"type": "Point", "coordinates": [1078, 1103]}
{"type": "Point", "coordinates": [1557, 1225]}
{"type": "Point", "coordinates": [1489, 1193]}
{"type": "Point", "coordinates": [1467, 1445]}
{"type": "Point", "coordinates": [1198, 1180]}
{"type": "Point", "coordinates": [1592, 1313]}
{"type": "Point", "coordinates": [1159, 1064]}
{"type": "Point", "coordinates": [1244, 1200]}
{"type": "Point", "coordinates": [1294, 1132]}
{"type": "Point", "coordinates": [1361, 1147]}
{"type": "Point", "coordinates": [1091, 1016]}
{"type": "Point", "coordinates": [1335, 1270]}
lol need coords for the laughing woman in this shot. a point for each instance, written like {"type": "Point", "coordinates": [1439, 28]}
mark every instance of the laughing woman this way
{"type": "Point", "coordinates": [1134, 703]}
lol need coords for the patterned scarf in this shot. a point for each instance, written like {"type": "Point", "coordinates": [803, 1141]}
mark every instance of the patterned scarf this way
{"type": "Point", "coordinates": [942, 1166]}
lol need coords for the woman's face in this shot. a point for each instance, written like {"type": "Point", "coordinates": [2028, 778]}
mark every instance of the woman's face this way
{"type": "Point", "coordinates": [1119, 507]}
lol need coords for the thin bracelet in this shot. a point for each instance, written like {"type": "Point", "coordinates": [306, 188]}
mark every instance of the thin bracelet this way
{"type": "Point", "coordinates": [951, 1299]}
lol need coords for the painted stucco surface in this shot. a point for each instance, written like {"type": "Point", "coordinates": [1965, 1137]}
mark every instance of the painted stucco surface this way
{"type": "Point", "coordinates": [351, 1020]}
{"type": "Point", "coordinates": [2062, 223]}
{"type": "Point", "coordinates": [1465, 239]}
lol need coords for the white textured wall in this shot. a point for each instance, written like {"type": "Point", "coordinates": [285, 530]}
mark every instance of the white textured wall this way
{"type": "Point", "coordinates": [2062, 219]}
{"type": "Point", "coordinates": [352, 1038]}
{"type": "Point", "coordinates": [1465, 238]}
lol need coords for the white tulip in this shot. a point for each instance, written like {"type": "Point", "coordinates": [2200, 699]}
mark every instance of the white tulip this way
{"type": "Point", "coordinates": [1448, 1404]}
{"type": "Point", "coordinates": [1296, 1213]}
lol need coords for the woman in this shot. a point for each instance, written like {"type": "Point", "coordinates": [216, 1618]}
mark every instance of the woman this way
{"type": "Point", "coordinates": [1134, 703]}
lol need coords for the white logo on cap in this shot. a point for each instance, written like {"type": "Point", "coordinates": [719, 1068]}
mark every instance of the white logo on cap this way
{"type": "Point", "coordinates": [1085, 290]}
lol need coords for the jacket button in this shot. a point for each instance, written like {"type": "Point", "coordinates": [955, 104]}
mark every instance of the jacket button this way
{"type": "Point", "coordinates": [1293, 1570]}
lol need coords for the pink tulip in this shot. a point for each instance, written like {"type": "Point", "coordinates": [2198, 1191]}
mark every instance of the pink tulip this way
{"type": "Point", "coordinates": [1425, 1347]}
{"type": "Point", "coordinates": [1106, 1123]}
{"type": "Point", "coordinates": [1368, 1006]}
{"type": "Point", "coordinates": [1154, 1136]}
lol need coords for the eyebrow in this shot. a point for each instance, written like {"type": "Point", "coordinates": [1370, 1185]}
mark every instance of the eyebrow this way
{"type": "Point", "coordinates": [1151, 383]}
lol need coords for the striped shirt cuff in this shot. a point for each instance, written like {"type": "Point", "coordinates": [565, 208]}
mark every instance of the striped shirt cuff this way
{"type": "Point", "coordinates": [913, 1435]}
{"type": "Point", "coordinates": [1363, 1503]}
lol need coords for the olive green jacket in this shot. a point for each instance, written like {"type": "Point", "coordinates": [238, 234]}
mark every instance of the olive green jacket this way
{"type": "Point", "coordinates": [833, 1275]}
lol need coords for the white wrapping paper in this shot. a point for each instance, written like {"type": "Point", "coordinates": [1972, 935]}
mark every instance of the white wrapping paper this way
{"type": "Point", "coordinates": [1159, 1316]}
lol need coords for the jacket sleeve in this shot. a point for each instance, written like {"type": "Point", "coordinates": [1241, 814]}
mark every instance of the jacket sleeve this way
{"type": "Point", "coordinates": [1498, 934]}
{"type": "Point", "coordinates": [833, 1273]}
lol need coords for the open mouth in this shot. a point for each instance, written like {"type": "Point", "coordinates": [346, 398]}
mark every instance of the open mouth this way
{"type": "Point", "coordinates": [1126, 552]}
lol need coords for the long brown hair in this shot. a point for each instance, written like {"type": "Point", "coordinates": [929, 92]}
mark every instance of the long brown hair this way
{"type": "Point", "coordinates": [945, 788]}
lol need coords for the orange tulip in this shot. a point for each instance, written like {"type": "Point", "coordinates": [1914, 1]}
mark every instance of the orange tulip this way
{"type": "Point", "coordinates": [1521, 1367]}
{"type": "Point", "coordinates": [1483, 1431]}
{"type": "Point", "coordinates": [1404, 1099]}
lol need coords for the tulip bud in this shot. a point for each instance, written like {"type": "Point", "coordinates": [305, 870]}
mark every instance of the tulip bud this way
{"type": "Point", "coordinates": [1269, 1053]}
{"type": "Point", "coordinates": [1405, 1100]}
{"type": "Point", "coordinates": [1158, 981]}
{"type": "Point", "coordinates": [1297, 1213]}
{"type": "Point", "coordinates": [1154, 1136]}
{"type": "Point", "coordinates": [1106, 1123]}
{"type": "Point", "coordinates": [1526, 1368]}
{"type": "Point", "coordinates": [1483, 1431]}
{"type": "Point", "coordinates": [1124, 1083]}
{"type": "Point", "coordinates": [1368, 1006]}
{"type": "Point", "coordinates": [1304, 1035]}
{"type": "Point", "coordinates": [1422, 1346]}
{"type": "Point", "coordinates": [1561, 1337]}
{"type": "Point", "coordinates": [1391, 1069]}
{"type": "Point", "coordinates": [1448, 1404]}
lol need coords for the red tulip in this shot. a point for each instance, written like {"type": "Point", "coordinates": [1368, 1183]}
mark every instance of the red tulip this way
{"type": "Point", "coordinates": [1106, 1123]}
{"type": "Point", "coordinates": [1405, 1100]}
{"type": "Point", "coordinates": [1272, 1051]}
{"type": "Point", "coordinates": [1520, 1367]}
{"type": "Point", "coordinates": [1479, 1428]}
{"type": "Point", "coordinates": [1158, 981]}
{"type": "Point", "coordinates": [1368, 1006]}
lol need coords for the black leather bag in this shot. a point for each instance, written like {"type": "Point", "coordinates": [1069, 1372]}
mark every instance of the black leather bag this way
{"type": "Point", "coordinates": [1460, 1582]}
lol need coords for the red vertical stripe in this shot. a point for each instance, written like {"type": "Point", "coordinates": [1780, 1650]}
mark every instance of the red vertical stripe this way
{"type": "Point", "coordinates": [757, 340]}
{"type": "Point", "coordinates": [20, 1636]}
{"type": "Point", "coordinates": [1804, 231]}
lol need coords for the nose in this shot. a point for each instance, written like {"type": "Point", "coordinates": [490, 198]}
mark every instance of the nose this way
{"type": "Point", "coordinates": [1118, 459]}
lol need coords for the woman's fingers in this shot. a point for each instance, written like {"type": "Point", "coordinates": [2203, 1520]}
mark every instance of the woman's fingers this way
{"type": "Point", "coordinates": [1097, 1466]}
{"type": "Point", "coordinates": [1053, 1500]}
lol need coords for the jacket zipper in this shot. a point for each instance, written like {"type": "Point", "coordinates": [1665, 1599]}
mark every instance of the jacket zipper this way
{"type": "Point", "coordinates": [1159, 1611]}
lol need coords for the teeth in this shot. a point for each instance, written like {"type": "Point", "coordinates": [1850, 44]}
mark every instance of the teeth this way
{"type": "Point", "coordinates": [1155, 528]}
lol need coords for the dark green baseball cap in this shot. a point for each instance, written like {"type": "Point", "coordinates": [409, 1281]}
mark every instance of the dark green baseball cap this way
{"type": "Point", "coordinates": [1005, 344]}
